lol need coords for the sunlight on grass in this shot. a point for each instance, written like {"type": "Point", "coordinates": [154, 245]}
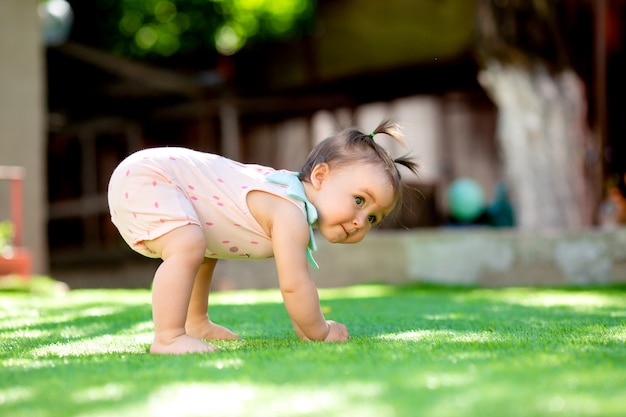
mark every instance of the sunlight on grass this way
{"type": "Point", "coordinates": [29, 363]}
{"type": "Point", "coordinates": [96, 346]}
{"type": "Point", "coordinates": [274, 295]}
{"type": "Point", "coordinates": [450, 316]}
{"type": "Point", "coordinates": [108, 392]}
{"type": "Point", "coordinates": [245, 399]}
{"type": "Point", "coordinates": [555, 298]}
{"type": "Point", "coordinates": [443, 380]}
{"type": "Point", "coordinates": [10, 395]}
{"type": "Point", "coordinates": [24, 311]}
{"type": "Point", "coordinates": [357, 291]}
{"type": "Point", "coordinates": [27, 334]}
{"type": "Point", "coordinates": [617, 334]}
{"type": "Point", "coordinates": [581, 404]}
{"type": "Point", "coordinates": [437, 335]}
{"type": "Point", "coordinates": [141, 328]}
{"type": "Point", "coordinates": [246, 297]}
{"type": "Point", "coordinates": [234, 363]}
{"type": "Point", "coordinates": [252, 400]}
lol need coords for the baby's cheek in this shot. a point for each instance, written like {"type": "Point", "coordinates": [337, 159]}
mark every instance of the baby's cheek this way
{"type": "Point", "coordinates": [329, 235]}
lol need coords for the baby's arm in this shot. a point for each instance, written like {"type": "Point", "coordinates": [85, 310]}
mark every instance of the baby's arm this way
{"type": "Point", "coordinates": [287, 226]}
{"type": "Point", "coordinates": [298, 289]}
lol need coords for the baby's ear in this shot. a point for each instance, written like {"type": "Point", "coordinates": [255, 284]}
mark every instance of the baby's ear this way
{"type": "Point", "coordinates": [319, 174]}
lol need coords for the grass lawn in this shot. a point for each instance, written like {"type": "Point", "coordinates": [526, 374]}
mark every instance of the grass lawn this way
{"type": "Point", "coordinates": [415, 351]}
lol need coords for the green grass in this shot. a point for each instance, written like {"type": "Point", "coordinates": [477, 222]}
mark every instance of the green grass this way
{"type": "Point", "coordinates": [415, 351]}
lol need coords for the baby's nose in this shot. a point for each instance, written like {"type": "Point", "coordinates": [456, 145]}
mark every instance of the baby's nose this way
{"type": "Point", "coordinates": [360, 221]}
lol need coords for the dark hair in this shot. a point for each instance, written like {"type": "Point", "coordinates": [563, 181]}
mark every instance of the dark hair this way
{"type": "Point", "coordinates": [352, 146]}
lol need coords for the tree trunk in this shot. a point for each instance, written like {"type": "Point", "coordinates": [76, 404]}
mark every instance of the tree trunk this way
{"type": "Point", "coordinates": [542, 127]}
{"type": "Point", "coordinates": [542, 133]}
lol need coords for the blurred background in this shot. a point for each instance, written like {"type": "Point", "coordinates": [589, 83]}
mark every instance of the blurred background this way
{"type": "Point", "coordinates": [512, 107]}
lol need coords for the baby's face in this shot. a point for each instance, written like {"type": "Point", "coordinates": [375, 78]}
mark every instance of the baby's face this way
{"type": "Point", "coordinates": [351, 200]}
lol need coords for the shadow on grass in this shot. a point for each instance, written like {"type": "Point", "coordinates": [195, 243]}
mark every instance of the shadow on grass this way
{"type": "Point", "coordinates": [424, 344]}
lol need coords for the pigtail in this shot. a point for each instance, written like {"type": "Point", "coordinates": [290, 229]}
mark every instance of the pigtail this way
{"type": "Point", "coordinates": [407, 162]}
{"type": "Point", "coordinates": [389, 128]}
{"type": "Point", "coordinates": [395, 131]}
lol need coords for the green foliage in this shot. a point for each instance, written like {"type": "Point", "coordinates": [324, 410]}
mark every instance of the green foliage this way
{"type": "Point", "coordinates": [168, 27]}
{"type": "Point", "coordinates": [414, 351]}
{"type": "Point", "coordinates": [6, 235]}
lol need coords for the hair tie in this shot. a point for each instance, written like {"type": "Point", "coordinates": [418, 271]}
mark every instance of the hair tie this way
{"type": "Point", "coordinates": [372, 135]}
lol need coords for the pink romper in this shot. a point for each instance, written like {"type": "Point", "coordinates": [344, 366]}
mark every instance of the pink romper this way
{"type": "Point", "coordinates": [156, 190]}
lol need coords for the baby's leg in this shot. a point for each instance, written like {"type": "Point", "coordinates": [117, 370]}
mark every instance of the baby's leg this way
{"type": "Point", "coordinates": [182, 251]}
{"type": "Point", "coordinates": [198, 323]}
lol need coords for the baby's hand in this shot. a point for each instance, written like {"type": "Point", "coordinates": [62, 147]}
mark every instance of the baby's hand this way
{"type": "Point", "coordinates": [338, 332]}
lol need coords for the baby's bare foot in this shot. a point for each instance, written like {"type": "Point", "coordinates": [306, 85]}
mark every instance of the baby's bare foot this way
{"type": "Point", "coordinates": [207, 330]}
{"type": "Point", "coordinates": [180, 345]}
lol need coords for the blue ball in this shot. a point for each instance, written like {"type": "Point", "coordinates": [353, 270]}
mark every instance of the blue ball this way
{"type": "Point", "coordinates": [466, 200]}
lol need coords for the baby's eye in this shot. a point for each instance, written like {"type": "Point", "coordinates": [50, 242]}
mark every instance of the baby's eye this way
{"type": "Point", "coordinates": [372, 219]}
{"type": "Point", "coordinates": [358, 200]}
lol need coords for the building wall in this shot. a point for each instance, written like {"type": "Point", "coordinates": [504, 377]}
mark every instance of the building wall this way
{"type": "Point", "coordinates": [22, 101]}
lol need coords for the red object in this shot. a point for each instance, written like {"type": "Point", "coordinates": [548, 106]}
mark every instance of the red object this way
{"type": "Point", "coordinates": [17, 260]}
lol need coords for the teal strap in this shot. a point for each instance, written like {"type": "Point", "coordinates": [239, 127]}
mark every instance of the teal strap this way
{"type": "Point", "coordinates": [295, 190]}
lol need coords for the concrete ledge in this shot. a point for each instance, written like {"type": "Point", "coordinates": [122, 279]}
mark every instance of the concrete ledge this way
{"type": "Point", "coordinates": [503, 258]}
{"type": "Point", "coordinates": [484, 257]}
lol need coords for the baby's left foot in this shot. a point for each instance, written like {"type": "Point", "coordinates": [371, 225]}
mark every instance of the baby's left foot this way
{"type": "Point", "coordinates": [208, 330]}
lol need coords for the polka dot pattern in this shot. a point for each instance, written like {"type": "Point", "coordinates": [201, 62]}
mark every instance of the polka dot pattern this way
{"type": "Point", "coordinates": [155, 192]}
